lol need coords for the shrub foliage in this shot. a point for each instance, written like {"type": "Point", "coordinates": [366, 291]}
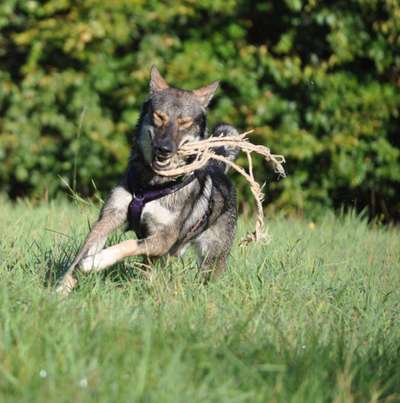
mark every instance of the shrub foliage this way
{"type": "Point", "coordinates": [319, 80]}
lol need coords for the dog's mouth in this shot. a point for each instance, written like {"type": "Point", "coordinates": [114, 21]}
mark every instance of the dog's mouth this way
{"type": "Point", "coordinates": [162, 162]}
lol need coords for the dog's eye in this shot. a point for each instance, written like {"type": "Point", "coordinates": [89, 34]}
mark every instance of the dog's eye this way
{"type": "Point", "coordinates": [160, 119]}
{"type": "Point", "coordinates": [185, 123]}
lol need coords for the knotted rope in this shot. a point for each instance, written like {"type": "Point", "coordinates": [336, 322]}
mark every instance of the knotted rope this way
{"type": "Point", "coordinates": [204, 150]}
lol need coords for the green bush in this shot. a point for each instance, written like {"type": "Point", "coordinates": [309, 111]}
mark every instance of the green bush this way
{"type": "Point", "coordinates": [319, 81]}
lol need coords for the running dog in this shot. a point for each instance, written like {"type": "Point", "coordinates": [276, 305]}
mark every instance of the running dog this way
{"type": "Point", "coordinates": [167, 215]}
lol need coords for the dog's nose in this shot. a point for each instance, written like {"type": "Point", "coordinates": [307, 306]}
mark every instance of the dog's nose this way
{"type": "Point", "coordinates": [165, 149]}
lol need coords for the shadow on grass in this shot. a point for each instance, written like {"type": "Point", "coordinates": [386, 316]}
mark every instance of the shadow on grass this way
{"type": "Point", "coordinates": [53, 262]}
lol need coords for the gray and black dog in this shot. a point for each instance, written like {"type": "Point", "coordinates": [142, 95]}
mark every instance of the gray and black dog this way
{"type": "Point", "coordinates": [167, 215]}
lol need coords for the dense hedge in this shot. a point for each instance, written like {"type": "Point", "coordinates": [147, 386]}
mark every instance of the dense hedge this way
{"type": "Point", "coordinates": [320, 81]}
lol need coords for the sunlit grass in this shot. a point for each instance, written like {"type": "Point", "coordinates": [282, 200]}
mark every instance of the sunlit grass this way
{"type": "Point", "coordinates": [312, 317]}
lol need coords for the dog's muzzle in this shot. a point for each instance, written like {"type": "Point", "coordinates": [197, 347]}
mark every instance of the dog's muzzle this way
{"type": "Point", "coordinates": [163, 150]}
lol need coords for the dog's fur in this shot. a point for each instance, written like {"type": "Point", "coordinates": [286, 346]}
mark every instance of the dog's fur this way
{"type": "Point", "coordinates": [202, 213]}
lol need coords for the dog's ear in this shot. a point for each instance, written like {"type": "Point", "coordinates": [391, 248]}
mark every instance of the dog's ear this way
{"type": "Point", "coordinates": [205, 94]}
{"type": "Point", "coordinates": [157, 83]}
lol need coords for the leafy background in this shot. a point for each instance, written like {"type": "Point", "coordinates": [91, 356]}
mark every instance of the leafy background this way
{"type": "Point", "coordinates": [319, 80]}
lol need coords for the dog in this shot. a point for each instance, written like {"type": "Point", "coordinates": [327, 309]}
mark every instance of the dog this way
{"type": "Point", "coordinates": [166, 214]}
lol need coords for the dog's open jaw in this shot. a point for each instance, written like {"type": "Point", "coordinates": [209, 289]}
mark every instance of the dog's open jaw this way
{"type": "Point", "coordinates": [159, 162]}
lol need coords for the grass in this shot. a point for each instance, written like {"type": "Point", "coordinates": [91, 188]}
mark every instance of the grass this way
{"type": "Point", "coordinates": [313, 317]}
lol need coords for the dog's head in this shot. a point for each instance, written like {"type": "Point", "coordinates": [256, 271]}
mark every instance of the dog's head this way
{"type": "Point", "coordinates": [171, 117]}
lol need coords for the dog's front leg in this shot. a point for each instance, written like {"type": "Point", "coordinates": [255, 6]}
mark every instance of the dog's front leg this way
{"type": "Point", "coordinates": [113, 215]}
{"type": "Point", "coordinates": [154, 246]}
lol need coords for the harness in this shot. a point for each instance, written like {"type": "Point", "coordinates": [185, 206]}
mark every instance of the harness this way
{"type": "Point", "coordinates": [142, 196]}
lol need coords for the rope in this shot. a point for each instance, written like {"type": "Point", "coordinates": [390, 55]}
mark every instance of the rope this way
{"type": "Point", "coordinates": [203, 151]}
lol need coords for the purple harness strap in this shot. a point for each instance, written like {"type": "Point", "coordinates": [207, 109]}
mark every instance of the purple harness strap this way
{"type": "Point", "coordinates": [142, 196]}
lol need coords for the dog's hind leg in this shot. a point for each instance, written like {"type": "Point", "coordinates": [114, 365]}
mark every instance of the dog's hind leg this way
{"type": "Point", "coordinates": [213, 247]}
{"type": "Point", "coordinates": [211, 267]}
{"type": "Point", "coordinates": [113, 215]}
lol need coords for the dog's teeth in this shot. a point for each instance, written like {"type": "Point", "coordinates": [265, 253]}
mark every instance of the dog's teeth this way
{"type": "Point", "coordinates": [162, 163]}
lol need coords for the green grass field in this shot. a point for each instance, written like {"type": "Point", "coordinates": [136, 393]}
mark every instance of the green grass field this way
{"type": "Point", "coordinates": [312, 317]}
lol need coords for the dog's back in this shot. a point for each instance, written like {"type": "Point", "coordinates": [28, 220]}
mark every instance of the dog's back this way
{"type": "Point", "coordinates": [231, 153]}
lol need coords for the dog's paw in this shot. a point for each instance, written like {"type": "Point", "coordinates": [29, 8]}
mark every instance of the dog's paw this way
{"type": "Point", "coordinates": [97, 262]}
{"type": "Point", "coordinates": [66, 285]}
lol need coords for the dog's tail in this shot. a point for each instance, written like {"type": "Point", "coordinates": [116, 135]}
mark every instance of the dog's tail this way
{"type": "Point", "coordinates": [231, 153]}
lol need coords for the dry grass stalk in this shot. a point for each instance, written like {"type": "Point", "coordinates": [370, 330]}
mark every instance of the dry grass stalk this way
{"type": "Point", "coordinates": [203, 150]}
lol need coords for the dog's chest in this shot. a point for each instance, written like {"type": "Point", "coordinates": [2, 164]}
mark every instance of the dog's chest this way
{"type": "Point", "coordinates": [154, 215]}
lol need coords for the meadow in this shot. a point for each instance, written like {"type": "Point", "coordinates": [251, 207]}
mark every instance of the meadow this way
{"type": "Point", "coordinates": [311, 317]}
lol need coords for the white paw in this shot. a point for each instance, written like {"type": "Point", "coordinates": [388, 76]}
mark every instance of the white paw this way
{"type": "Point", "coordinates": [87, 264]}
{"type": "Point", "coordinates": [97, 262]}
